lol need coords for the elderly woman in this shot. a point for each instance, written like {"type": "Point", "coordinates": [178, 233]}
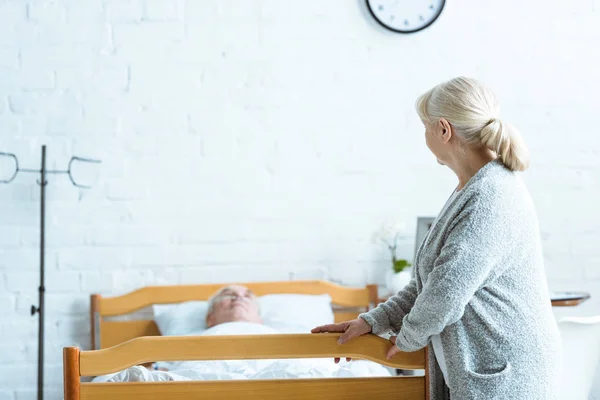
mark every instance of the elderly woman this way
{"type": "Point", "coordinates": [479, 298]}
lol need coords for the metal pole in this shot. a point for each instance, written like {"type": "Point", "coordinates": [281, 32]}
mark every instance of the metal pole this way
{"type": "Point", "coordinates": [42, 288]}
{"type": "Point", "coordinates": [40, 309]}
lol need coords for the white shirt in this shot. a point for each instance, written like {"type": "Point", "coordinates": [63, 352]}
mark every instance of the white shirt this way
{"type": "Point", "coordinates": [438, 351]}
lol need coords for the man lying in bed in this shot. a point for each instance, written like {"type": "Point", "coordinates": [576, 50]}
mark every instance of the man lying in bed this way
{"type": "Point", "coordinates": [234, 310]}
{"type": "Point", "coordinates": [230, 304]}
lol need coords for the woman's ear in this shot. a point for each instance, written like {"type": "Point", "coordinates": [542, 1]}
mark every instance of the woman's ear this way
{"type": "Point", "coordinates": [445, 130]}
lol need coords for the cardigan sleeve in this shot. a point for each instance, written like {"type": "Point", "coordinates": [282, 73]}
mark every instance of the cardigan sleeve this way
{"type": "Point", "coordinates": [389, 315]}
{"type": "Point", "coordinates": [474, 245]}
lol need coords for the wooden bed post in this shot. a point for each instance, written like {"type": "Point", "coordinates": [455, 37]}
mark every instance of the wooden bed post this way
{"type": "Point", "coordinates": [373, 296]}
{"type": "Point", "coordinates": [71, 373]}
{"type": "Point", "coordinates": [95, 320]}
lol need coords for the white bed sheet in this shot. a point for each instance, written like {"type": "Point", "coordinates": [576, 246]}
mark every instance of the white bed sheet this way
{"type": "Point", "coordinates": [248, 369]}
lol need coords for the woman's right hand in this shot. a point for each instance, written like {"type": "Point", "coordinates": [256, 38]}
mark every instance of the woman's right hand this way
{"type": "Point", "coordinates": [350, 329]}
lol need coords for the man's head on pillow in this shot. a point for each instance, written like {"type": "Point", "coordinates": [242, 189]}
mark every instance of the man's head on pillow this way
{"type": "Point", "coordinates": [232, 303]}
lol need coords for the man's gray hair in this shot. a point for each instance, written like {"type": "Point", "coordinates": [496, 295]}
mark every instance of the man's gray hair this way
{"type": "Point", "coordinates": [212, 301]}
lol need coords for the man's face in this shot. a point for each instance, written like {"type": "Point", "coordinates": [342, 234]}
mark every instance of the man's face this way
{"type": "Point", "coordinates": [233, 304]}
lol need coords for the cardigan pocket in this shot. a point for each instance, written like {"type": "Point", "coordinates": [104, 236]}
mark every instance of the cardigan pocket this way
{"type": "Point", "coordinates": [497, 385]}
{"type": "Point", "coordinates": [493, 375]}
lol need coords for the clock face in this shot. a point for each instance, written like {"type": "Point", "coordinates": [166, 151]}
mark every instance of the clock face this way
{"type": "Point", "coordinates": [405, 16]}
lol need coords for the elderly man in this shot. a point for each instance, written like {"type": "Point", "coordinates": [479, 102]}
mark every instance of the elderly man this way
{"type": "Point", "coordinates": [233, 303]}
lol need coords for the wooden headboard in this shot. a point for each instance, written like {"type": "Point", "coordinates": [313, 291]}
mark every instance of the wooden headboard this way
{"type": "Point", "coordinates": [347, 304]}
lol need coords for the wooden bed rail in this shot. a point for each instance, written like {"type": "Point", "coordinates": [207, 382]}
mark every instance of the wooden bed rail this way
{"type": "Point", "coordinates": [241, 347]}
{"type": "Point", "coordinates": [149, 295]}
{"type": "Point", "coordinates": [323, 345]}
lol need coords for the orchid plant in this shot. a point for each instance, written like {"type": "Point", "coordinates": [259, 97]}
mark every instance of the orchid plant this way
{"type": "Point", "coordinates": [389, 234]}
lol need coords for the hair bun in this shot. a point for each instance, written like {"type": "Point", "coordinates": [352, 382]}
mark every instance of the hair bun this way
{"type": "Point", "coordinates": [493, 120]}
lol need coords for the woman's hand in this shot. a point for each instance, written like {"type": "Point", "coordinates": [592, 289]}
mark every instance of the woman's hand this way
{"type": "Point", "coordinates": [349, 329]}
{"type": "Point", "coordinates": [394, 349]}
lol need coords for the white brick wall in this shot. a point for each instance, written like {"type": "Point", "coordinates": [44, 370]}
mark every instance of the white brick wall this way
{"type": "Point", "coordinates": [265, 133]}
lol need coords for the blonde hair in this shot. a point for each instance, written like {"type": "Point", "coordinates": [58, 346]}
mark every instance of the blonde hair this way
{"type": "Point", "coordinates": [473, 112]}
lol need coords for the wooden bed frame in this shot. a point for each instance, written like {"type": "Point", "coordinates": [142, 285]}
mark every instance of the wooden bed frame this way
{"type": "Point", "coordinates": [118, 345]}
{"type": "Point", "coordinates": [348, 303]}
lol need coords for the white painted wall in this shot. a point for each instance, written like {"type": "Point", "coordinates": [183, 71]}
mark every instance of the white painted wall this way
{"type": "Point", "coordinates": [248, 140]}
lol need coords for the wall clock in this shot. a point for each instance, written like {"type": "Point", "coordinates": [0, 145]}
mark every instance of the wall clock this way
{"type": "Point", "coordinates": [405, 16]}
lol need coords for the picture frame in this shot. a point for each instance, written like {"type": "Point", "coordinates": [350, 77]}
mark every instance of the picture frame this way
{"type": "Point", "coordinates": [423, 226]}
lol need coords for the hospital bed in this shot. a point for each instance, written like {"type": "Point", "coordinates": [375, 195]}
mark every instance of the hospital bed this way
{"type": "Point", "coordinates": [126, 343]}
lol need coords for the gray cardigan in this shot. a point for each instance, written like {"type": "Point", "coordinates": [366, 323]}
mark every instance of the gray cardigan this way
{"type": "Point", "coordinates": [480, 284]}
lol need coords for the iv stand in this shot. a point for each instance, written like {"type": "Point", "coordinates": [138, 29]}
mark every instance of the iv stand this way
{"type": "Point", "coordinates": [42, 289]}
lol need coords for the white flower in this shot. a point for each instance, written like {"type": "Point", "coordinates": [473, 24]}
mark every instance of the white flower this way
{"type": "Point", "coordinates": [389, 232]}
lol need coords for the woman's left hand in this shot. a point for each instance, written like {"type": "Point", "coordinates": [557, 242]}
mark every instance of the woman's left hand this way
{"type": "Point", "coordinates": [394, 349]}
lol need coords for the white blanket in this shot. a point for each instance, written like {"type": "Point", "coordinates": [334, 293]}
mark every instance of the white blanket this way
{"type": "Point", "coordinates": [248, 369]}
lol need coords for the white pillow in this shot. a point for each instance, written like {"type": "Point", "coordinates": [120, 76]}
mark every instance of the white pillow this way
{"type": "Point", "coordinates": [296, 310]}
{"type": "Point", "coordinates": [289, 313]}
{"type": "Point", "coordinates": [181, 318]}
